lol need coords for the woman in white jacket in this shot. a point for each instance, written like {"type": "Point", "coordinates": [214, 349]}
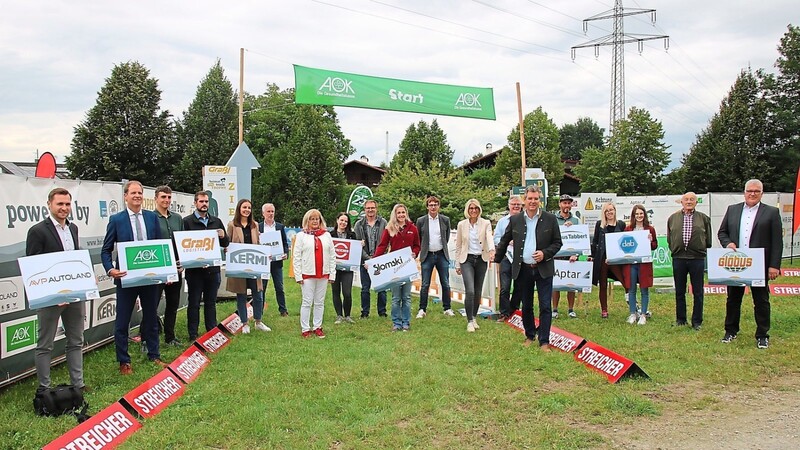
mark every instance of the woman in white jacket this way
{"type": "Point", "coordinates": [314, 264]}
{"type": "Point", "coordinates": [474, 250]}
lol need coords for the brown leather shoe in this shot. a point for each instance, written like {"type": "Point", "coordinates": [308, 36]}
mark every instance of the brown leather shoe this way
{"type": "Point", "coordinates": [545, 348]}
{"type": "Point", "coordinates": [125, 369]}
{"type": "Point", "coordinates": [158, 362]}
{"type": "Point", "coordinates": [502, 318]}
{"type": "Point", "coordinates": [527, 342]}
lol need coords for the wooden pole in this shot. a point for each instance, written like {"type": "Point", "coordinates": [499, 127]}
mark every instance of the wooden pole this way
{"type": "Point", "coordinates": [521, 134]}
{"type": "Point", "coordinates": [241, 95]}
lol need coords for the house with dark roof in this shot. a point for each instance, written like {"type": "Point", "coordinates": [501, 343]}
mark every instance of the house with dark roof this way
{"type": "Point", "coordinates": [360, 171]}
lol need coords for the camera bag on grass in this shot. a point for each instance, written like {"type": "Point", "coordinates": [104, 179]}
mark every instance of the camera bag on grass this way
{"type": "Point", "coordinates": [62, 399]}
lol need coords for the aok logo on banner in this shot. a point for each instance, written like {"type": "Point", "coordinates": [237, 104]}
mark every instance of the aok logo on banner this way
{"type": "Point", "coordinates": [18, 335]}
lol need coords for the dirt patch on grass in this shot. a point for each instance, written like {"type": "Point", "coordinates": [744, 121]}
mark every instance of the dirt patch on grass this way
{"type": "Point", "coordinates": [765, 417]}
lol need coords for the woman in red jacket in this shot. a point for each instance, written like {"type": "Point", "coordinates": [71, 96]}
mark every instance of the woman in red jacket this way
{"type": "Point", "coordinates": [639, 273]}
{"type": "Point", "coordinates": [400, 233]}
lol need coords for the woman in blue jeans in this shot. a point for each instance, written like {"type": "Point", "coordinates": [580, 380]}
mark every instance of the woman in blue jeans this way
{"type": "Point", "coordinates": [400, 233]}
{"type": "Point", "coordinates": [244, 230]}
{"type": "Point", "coordinates": [474, 250]}
{"type": "Point", "coordinates": [639, 273]}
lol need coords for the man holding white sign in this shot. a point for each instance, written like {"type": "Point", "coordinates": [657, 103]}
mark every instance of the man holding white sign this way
{"type": "Point", "coordinates": [276, 266]}
{"type": "Point", "coordinates": [566, 219]}
{"type": "Point", "coordinates": [132, 224]}
{"type": "Point", "coordinates": [56, 234]}
{"type": "Point", "coordinates": [752, 224]}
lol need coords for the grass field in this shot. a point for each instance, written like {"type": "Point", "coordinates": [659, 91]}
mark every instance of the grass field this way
{"type": "Point", "coordinates": [364, 387]}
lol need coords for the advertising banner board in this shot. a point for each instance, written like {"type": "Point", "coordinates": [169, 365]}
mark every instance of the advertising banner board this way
{"type": "Point", "coordinates": [147, 262]}
{"type": "Point", "coordinates": [198, 248]}
{"type": "Point", "coordinates": [392, 269]}
{"type": "Point", "coordinates": [59, 277]}
{"type": "Point", "coordinates": [247, 261]}
{"type": "Point", "coordinates": [628, 247]}
{"type": "Point", "coordinates": [740, 267]}
{"type": "Point", "coordinates": [348, 254]}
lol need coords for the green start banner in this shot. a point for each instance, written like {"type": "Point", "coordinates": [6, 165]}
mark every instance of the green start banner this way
{"type": "Point", "coordinates": [326, 87]}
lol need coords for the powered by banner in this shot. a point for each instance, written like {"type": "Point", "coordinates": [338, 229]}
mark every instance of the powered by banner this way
{"type": "Point", "coordinates": [740, 267]}
{"type": "Point", "coordinates": [147, 262]}
{"type": "Point", "coordinates": [247, 261]}
{"type": "Point", "coordinates": [326, 87]}
{"type": "Point", "coordinates": [60, 277]}
{"type": "Point", "coordinates": [572, 276]}
{"type": "Point", "coordinates": [392, 269]}
{"type": "Point", "coordinates": [348, 254]}
{"type": "Point", "coordinates": [198, 248]}
{"type": "Point", "coordinates": [575, 239]}
{"type": "Point", "coordinates": [629, 247]}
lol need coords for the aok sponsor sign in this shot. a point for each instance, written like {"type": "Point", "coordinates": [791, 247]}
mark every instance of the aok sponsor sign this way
{"type": "Point", "coordinates": [213, 341]}
{"type": "Point", "coordinates": [60, 277]}
{"type": "Point", "coordinates": [348, 254]}
{"type": "Point", "coordinates": [392, 269]}
{"type": "Point", "coordinates": [18, 336]}
{"type": "Point", "coordinates": [628, 247]}
{"type": "Point", "coordinates": [155, 394]}
{"type": "Point", "coordinates": [106, 429]}
{"type": "Point", "coordinates": [247, 261]}
{"type": "Point", "coordinates": [575, 240]}
{"type": "Point", "coordinates": [198, 248]}
{"type": "Point", "coordinates": [742, 267]}
{"type": "Point", "coordinates": [147, 262]}
{"type": "Point", "coordinates": [190, 364]}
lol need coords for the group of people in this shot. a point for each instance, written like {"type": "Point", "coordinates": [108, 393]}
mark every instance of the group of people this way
{"type": "Point", "coordinates": [524, 244]}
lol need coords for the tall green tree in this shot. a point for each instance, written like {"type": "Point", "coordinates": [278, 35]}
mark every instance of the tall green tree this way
{"type": "Point", "coordinates": [575, 137]}
{"type": "Point", "coordinates": [125, 135]}
{"type": "Point", "coordinates": [208, 133]}
{"type": "Point", "coordinates": [735, 145]}
{"type": "Point", "coordinates": [541, 150]}
{"type": "Point", "coordinates": [632, 161]}
{"type": "Point", "coordinates": [301, 149]}
{"type": "Point", "coordinates": [426, 145]}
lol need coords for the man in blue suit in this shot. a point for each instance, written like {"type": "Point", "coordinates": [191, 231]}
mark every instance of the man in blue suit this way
{"type": "Point", "coordinates": [132, 224]}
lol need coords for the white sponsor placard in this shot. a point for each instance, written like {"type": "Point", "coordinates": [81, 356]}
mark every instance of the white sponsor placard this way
{"type": "Point", "coordinates": [12, 295]}
{"type": "Point", "coordinates": [198, 248]}
{"type": "Point", "coordinates": [590, 206]}
{"type": "Point", "coordinates": [247, 261]}
{"type": "Point", "coordinates": [572, 276]}
{"type": "Point", "coordinates": [575, 240]}
{"type": "Point", "coordinates": [392, 269]}
{"type": "Point", "coordinates": [628, 247]}
{"type": "Point", "coordinates": [740, 267]}
{"type": "Point", "coordinates": [147, 262]}
{"type": "Point", "coordinates": [348, 254]}
{"type": "Point", "coordinates": [273, 240]}
{"type": "Point", "coordinates": [58, 277]}
{"type": "Point", "coordinates": [104, 310]}
{"type": "Point", "coordinates": [220, 183]}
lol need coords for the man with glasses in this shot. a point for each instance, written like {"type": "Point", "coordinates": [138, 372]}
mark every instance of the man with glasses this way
{"type": "Point", "coordinates": [434, 232]}
{"type": "Point", "coordinates": [688, 238]}
{"type": "Point", "coordinates": [368, 230]}
{"type": "Point", "coordinates": [752, 224]}
{"type": "Point", "coordinates": [508, 303]}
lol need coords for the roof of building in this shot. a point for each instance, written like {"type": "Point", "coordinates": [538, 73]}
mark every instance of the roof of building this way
{"type": "Point", "coordinates": [28, 169]}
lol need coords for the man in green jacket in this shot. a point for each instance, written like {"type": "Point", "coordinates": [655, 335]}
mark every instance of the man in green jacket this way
{"type": "Point", "coordinates": [169, 222]}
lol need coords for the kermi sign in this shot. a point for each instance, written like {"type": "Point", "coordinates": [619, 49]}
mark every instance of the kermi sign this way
{"type": "Point", "coordinates": [326, 87]}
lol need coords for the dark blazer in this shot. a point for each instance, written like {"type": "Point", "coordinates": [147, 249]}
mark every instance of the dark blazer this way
{"type": "Point", "coordinates": [43, 238]}
{"type": "Point", "coordinates": [599, 251]}
{"type": "Point", "coordinates": [548, 240]}
{"type": "Point", "coordinates": [119, 229]}
{"type": "Point", "coordinates": [284, 240]}
{"type": "Point", "coordinates": [767, 232]}
{"type": "Point", "coordinates": [422, 228]}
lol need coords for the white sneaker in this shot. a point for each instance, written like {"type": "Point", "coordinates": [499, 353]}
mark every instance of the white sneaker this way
{"type": "Point", "coordinates": [245, 329]}
{"type": "Point", "coordinates": [470, 327]}
{"type": "Point", "coordinates": [475, 324]}
{"type": "Point", "coordinates": [262, 326]}
{"type": "Point", "coordinates": [421, 314]}
{"type": "Point", "coordinates": [632, 319]}
{"type": "Point", "coordinates": [642, 320]}
{"type": "Point", "coordinates": [449, 312]}
{"type": "Point", "coordinates": [338, 320]}
{"type": "Point", "coordinates": [554, 314]}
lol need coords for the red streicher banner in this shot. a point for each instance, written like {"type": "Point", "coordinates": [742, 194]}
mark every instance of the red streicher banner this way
{"type": "Point", "coordinates": [106, 429]}
{"type": "Point", "coordinates": [232, 323]}
{"type": "Point", "coordinates": [190, 364]}
{"type": "Point", "coordinates": [213, 341]}
{"type": "Point", "coordinates": [613, 365]}
{"type": "Point", "coordinates": [150, 397]}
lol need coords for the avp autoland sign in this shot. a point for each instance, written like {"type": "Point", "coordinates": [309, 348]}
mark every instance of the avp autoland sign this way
{"type": "Point", "coordinates": [575, 240]}
{"type": "Point", "coordinates": [60, 277]}
{"type": "Point", "coordinates": [740, 267]}
{"type": "Point", "coordinates": [198, 248]}
{"type": "Point", "coordinates": [628, 247]}
{"type": "Point", "coordinates": [147, 262]}
{"type": "Point", "coordinates": [348, 254]}
{"type": "Point", "coordinates": [247, 261]}
{"type": "Point", "coordinates": [392, 269]}
{"type": "Point", "coordinates": [326, 87]}
{"type": "Point", "coordinates": [572, 276]}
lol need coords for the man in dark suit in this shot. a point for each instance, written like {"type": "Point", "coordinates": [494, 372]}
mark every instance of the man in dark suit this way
{"type": "Point", "coordinates": [752, 224]}
{"type": "Point", "coordinates": [434, 232]}
{"type": "Point", "coordinates": [537, 239]}
{"type": "Point", "coordinates": [56, 234]}
{"type": "Point", "coordinates": [132, 224]}
{"type": "Point", "coordinates": [276, 266]}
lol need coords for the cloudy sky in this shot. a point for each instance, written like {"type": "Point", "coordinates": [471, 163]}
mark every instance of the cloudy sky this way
{"type": "Point", "coordinates": [56, 55]}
